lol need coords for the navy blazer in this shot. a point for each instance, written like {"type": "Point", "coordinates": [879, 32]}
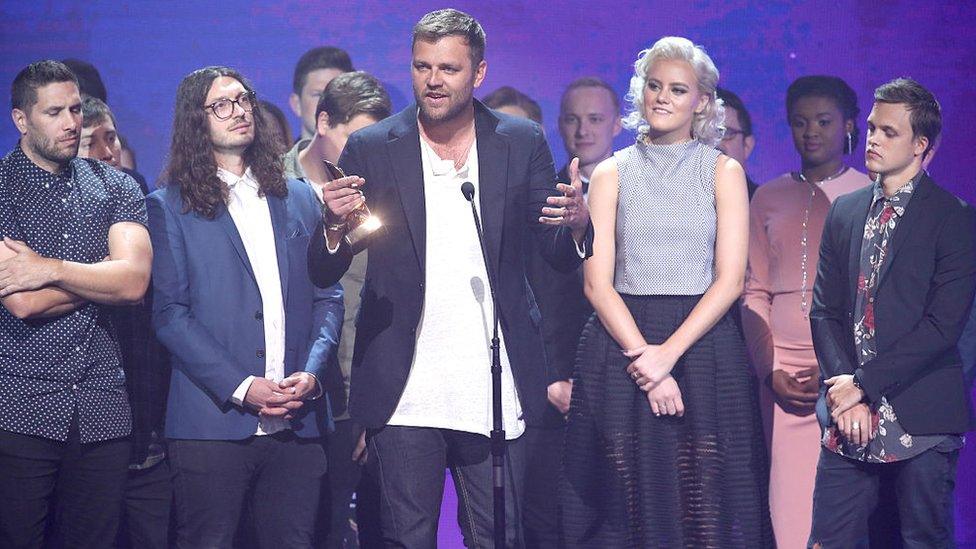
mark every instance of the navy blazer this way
{"type": "Point", "coordinates": [921, 303]}
{"type": "Point", "coordinates": [207, 310]}
{"type": "Point", "coordinates": [516, 176]}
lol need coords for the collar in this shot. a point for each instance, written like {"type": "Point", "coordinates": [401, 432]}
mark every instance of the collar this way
{"type": "Point", "coordinates": [231, 179]}
{"type": "Point", "coordinates": [901, 197]}
{"type": "Point", "coordinates": [42, 176]}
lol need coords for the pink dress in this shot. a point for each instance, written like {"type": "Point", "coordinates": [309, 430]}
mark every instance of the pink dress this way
{"type": "Point", "coordinates": [777, 333]}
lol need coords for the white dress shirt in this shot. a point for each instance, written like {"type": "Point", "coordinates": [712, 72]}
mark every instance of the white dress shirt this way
{"type": "Point", "coordinates": [251, 216]}
{"type": "Point", "coordinates": [449, 384]}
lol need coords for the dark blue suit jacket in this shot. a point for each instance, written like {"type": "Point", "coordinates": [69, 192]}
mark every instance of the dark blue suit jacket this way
{"type": "Point", "coordinates": [207, 310]}
{"type": "Point", "coordinates": [516, 175]}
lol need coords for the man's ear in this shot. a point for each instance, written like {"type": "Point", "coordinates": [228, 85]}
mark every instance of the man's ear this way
{"type": "Point", "coordinates": [750, 143]}
{"type": "Point", "coordinates": [322, 123]}
{"type": "Point", "coordinates": [20, 120]}
{"type": "Point", "coordinates": [295, 103]}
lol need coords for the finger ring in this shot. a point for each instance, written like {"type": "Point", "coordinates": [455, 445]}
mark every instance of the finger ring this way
{"type": "Point", "coordinates": [636, 375]}
{"type": "Point", "coordinates": [856, 425]}
{"type": "Point", "coordinates": [657, 414]}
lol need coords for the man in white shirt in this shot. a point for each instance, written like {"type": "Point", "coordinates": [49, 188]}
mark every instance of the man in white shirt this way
{"type": "Point", "coordinates": [421, 382]}
{"type": "Point", "coordinates": [249, 334]}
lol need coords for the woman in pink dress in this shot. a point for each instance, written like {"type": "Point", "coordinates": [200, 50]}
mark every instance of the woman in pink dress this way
{"type": "Point", "coordinates": [786, 219]}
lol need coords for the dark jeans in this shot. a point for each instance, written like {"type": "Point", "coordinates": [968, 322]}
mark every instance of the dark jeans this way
{"type": "Point", "coordinates": [277, 477]}
{"type": "Point", "coordinates": [342, 479]}
{"type": "Point", "coordinates": [146, 508]}
{"type": "Point", "coordinates": [542, 513]}
{"type": "Point", "coordinates": [409, 464]}
{"type": "Point", "coordinates": [82, 482]}
{"type": "Point", "coordinates": [846, 493]}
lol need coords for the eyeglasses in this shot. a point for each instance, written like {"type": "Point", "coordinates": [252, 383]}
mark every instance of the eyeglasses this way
{"type": "Point", "coordinates": [224, 108]}
{"type": "Point", "coordinates": [731, 133]}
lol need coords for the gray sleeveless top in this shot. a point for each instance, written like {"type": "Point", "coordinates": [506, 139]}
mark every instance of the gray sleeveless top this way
{"type": "Point", "coordinates": [665, 219]}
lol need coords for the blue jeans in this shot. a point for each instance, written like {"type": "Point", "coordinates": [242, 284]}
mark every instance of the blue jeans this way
{"type": "Point", "coordinates": [846, 493]}
{"type": "Point", "coordinates": [409, 464]}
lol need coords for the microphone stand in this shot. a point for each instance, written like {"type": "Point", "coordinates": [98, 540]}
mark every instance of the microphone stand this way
{"type": "Point", "coordinates": [498, 448]}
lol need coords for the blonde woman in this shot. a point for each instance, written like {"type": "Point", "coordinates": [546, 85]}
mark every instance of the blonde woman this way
{"type": "Point", "coordinates": [664, 444]}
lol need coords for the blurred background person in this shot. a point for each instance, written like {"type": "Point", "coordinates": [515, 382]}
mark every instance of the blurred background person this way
{"type": "Point", "coordinates": [148, 491]}
{"type": "Point", "coordinates": [313, 72]}
{"type": "Point", "coordinates": [738, 141]}
{"type": "Point", "coordinates": [786, 220]}
{"type": "Point", "coordinates": [511, 101]}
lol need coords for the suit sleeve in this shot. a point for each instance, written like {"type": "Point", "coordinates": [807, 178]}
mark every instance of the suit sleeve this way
{"type": "Point", "coordinates": [327, 314]}
{"type": "Point", "coordinates": [201, 357]}
{"type": "Point", "coordinates": [950, 296]}
{"type": "Point", "coordinates": [555, 243]}
{"type": "Point", "coordinates": [757, 299]}
{"type": "Point", "coordinates": [829, 314]}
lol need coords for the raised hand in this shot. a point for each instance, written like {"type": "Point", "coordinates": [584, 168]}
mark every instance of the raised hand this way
{"type": "Point", "coordinates": [569, 209]}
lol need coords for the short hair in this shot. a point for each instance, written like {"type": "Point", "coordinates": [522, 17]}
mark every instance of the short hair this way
{"type": "Point", "coordinates": [591, 82]}
{"type": "Point", "coordinates": [707, 126]}
{"type": "Point", "coordinates": [829, 87]}
{"type": "Point", "coordinates": [95, 111]}
{"type": "Point", "coordinates": [507, 96]}
{"type": "Point", "coordinates": [351, 94]}
{"type": "Point", "coordinates": [925, 113]}
{"type": "Point", "coordinates": [324, 57]}
{"type": "Point", "coordinates": [23, 91]}
{"type": "Point", "coordinates": [89, 80]}
{"type": "Point", "coordinates": [732, 101]}
{"type": "Point", "coordinates": [451, 22]}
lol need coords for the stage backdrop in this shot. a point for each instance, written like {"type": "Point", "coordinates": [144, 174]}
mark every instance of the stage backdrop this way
{"type": "Point", "coordinates": [143, 49]}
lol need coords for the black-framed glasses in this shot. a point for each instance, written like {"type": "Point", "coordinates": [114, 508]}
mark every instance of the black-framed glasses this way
{"type": "Point", "coordinates": [224, 108]}
{"type": "Point", "coordinates": [731, 133]}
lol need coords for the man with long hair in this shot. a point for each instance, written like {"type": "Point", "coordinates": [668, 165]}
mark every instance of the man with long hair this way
{"type": "Point", "coordinates": [421, 383]}
{"type": "Point", "coordinates": [249, 334]}
{"type": "Point", "coordinates": [72, 241]}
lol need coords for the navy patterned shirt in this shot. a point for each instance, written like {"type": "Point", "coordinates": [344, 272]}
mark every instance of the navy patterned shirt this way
{"type": "Point", "coordinates": [56, 368]}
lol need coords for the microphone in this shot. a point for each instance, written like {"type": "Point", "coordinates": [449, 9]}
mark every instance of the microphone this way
{"type": "Point", "coordinates": [467, 189]}
{"type": "Point", "coordinates": [498, 448]}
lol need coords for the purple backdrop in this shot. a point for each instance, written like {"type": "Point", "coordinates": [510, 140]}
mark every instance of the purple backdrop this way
{"type": "Point", "coordinates": [143, 49]}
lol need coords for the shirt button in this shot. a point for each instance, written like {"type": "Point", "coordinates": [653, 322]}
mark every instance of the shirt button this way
{"type": "Point", "coordinates": [74, 387]}
{"type": "Point", "coordinates": [66, 235]}
{"type": "Point", "coordinates": [870, 300]}
{"type": "Point", "coordinates": [260, 353]}
{"type": "Point", "coordinates": [259, 315]}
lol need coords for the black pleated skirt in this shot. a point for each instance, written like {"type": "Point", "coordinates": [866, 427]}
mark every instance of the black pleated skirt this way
{"type": "Point", "coordinates": [636, 480]}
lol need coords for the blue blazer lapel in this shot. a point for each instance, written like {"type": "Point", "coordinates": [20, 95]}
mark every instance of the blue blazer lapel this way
{"type": "Point", "coordinates": [279, 222]}
{"type": "Point", "coordinates": [492, 181]}
{"type": "Point", "coordinates": [407, 168]}
{"type": "Point", "coordinates": [227, 223]}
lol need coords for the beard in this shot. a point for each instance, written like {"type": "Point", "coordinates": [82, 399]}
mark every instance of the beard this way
{"type": "Point", "coordinates": [52, 150]}
{"type": "Point", "coordinates": [455, 106]}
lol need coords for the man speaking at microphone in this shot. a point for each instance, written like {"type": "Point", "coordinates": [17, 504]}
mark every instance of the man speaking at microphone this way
{"type": "Point", "coordinates": [421, 382]}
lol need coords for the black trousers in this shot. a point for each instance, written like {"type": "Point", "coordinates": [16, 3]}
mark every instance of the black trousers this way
{"type": "Point", "coordinates": [341, 482]}
{"type": "Point", "coordinates": [276, 477]}
{"type": "Point", "coordinates": [409, 465]}
{"type": "Point", "coordinates": [846, 493]}
{"type": "Point", "coordinates": [146, 508]}
{"type": "Point", "coordinates": [82, 483]}
{"type": "Point", "coordinates": [542, 512]}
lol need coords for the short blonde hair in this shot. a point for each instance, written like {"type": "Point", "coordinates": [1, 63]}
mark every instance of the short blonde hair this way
{"type": "Point", "coordinates": [708, 126]}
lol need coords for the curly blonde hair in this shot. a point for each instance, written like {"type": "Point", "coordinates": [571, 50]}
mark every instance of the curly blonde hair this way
{"type": "Point", "coordinates": [709, 125]}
